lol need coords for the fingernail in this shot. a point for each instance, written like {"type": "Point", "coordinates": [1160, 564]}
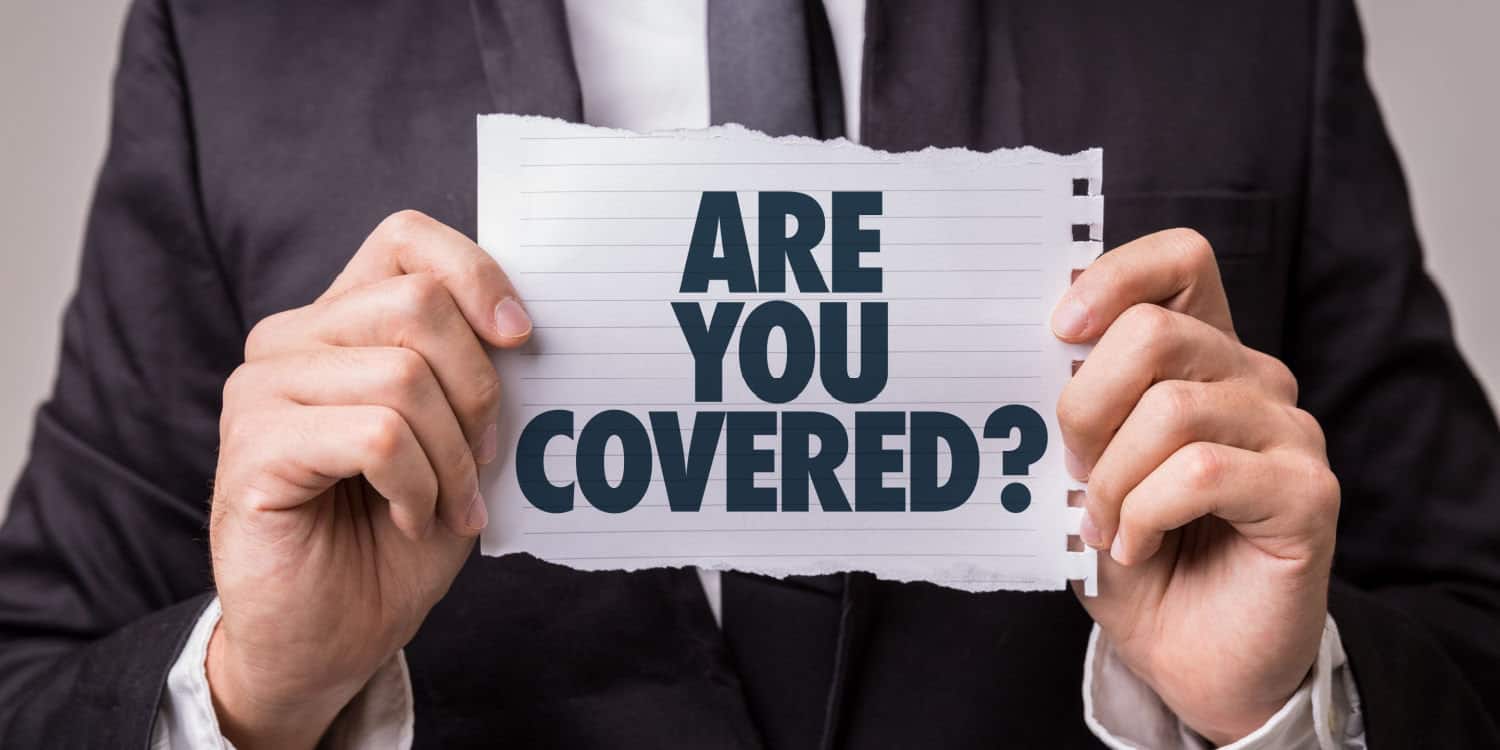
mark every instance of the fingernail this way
{"type": "Point", "coordinates": [1090, 533]}
{"type": "Point", "coordinates": [489, 444]}
{"type": "Point", "coordinates": [1075, 466]}
{"type": "Point", "coordinates": [1116, 548]}
{"type": "Point", "coordinates": [478, 517]}
{"type": "Point", "coordinates": [511, 319]}
{"type": "Point", "coordinates": [1070, 319]}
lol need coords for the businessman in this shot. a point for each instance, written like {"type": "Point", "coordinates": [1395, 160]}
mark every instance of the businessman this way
{"type": "Point", "coordinates": [250, 508]}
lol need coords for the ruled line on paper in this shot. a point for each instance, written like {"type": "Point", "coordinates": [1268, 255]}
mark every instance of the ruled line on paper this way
{"type": "Point", "coordinates": [794, 554]}
{"type": "Point", "coordinates": [615, 272]}
{"type": "Point", "coordinates": [689, 379]}
{"type": "Point", "coordinates": [751, 188]}
{"type": "Point", "coordinates": [674, 164]}
{"type": "Point", "coordinates": [830, 297]}
{"type": "Point", "coordinates": [683, 244]}
{"type": "Point", "coordinates": [712, 405]}
{"type": "Point", "coordinates": [852, 351]}
{"type": "Point", "coordinates": [718, 530]}
{"type": "Point", "coordinates": [751, 217]}
{"type": "Point", "coordinates": [852, 324]}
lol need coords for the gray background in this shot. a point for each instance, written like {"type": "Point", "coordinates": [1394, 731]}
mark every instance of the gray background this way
{"type": "Point", "coordinates": [1433, 62]}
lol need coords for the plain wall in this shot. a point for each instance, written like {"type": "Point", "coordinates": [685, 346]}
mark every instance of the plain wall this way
{"type": "Point", "coordinates": [1433, 63]}
{"type": "Point", "coordinates": [56, 60]}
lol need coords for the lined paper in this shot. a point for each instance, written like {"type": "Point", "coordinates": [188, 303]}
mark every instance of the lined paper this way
{"type": "Point", "coordinates": [593, 227]}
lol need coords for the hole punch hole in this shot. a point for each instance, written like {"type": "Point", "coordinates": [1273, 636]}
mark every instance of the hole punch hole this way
{"type": "Point", "coordinates": [1074, 274]}
{"type": "Point", "coordinates": [1077, 363]}
{"type": "Point", "coordinates": [1080, 233]}
{"type": "Point", "coordinates": [1075, 543]}
{"type": "Point", "coordinates": [1080, 187]}
{"type": "Point", "coordinates": [1075, 498]}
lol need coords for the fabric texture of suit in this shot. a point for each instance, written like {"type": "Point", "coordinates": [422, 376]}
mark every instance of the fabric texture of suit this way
{"type": "Point", "coordinates": [254, 144]}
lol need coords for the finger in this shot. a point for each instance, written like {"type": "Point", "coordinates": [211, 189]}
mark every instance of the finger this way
{"type": "Point", "coordinates": [1174, 268]}
{"type": "Point", "coordinates": [295, 453]}
{"type": "Point", "coordinates": [393, 377]}
{"type": "Point", "coordinates": [1145, 345]}
{"type": "Point", "coordinates": [1283, 501]}
{"type": "Point", "coordinates": [1173, 414]}
{"type": "Point", "coordinates": [414, 312]}
{"type": "Point", "coordinates": [412, 242]}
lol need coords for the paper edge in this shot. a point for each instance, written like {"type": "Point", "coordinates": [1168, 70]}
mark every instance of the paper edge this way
{"type": "Point", "coordinates": [714, 132]}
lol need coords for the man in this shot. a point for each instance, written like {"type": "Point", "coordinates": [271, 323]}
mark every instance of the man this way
{"type": "Point", "coordinates": [237, 322]}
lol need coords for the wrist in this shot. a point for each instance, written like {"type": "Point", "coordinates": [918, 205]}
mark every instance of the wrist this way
{"type": "Point", "coordinates": [1220, 717]}
{"type": "Point", "coordinates": [258, 709]}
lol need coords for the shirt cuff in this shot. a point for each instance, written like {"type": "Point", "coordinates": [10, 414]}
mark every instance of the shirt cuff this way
{"type": "Point", "coordinates": [1123, 712]}
{"type": "Point", "coordinates": [380, 716]}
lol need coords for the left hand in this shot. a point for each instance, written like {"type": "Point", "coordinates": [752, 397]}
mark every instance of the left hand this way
{"type": "Point", "coordinates": [1207, 485]}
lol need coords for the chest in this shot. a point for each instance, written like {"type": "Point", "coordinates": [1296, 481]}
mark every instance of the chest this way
{"type": "Point", "coordinates": [303, 149]}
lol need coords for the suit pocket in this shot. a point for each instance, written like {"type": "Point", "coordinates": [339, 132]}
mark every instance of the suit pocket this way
{"type": "Point", "coordinates": [1242, 227]}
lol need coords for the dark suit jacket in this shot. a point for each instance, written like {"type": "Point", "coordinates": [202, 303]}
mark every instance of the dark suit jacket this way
{"type": "Point", "coordinates": [255, 143]}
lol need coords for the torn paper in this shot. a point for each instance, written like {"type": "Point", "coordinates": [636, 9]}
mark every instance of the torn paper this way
{"type": "Point", "coordinates": [784, 356]}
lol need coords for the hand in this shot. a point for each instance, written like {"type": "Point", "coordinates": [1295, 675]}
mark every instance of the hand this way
{"type": "Point", "coordinates": [346, 496]}
{"type": "Point", "coordinates": [1207, 485]}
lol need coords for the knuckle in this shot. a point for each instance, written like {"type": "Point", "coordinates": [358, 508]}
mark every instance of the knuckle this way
{"type": "Point", "coordinates": [242, 435]}
{"type": "Point", "coordinates": [1073, 412]}
{"type": "Point", "coordinates": [406, 372]}
{"type": "Point", "coordinates": [1278, 376]}
{"type": "Point", "coordinates": [261, 337]}
{"type": "Point", "coordinates": [1202, 466]}
{"type": "Point", "coordinates": [1323, 485]}
{"type": "Point", "coordinates": [1174, 403]}
{"type": "Point", "coordinates": [1308, 425]}
{"type": "Point", "coordinates": [232, 431]}
{"type": "Point", "coordinates": [255, 341]}
{"type": "Point", "coordinates": [384, 434]}
{"type": "Point", "coordinates": [479, 267]}
{"type": "Point", "coordinates": [418, 296]}
{"type": "Point", "coordinates": [403, 224]}
{"type": "Point", "coordinates": [234, 420]}
{"type": "Point", "coordinates": [236, 387]}
{"type": "Point", "coordinates": [1147, 323]}
{"type": "Point", "coordinates": [1191, 247]}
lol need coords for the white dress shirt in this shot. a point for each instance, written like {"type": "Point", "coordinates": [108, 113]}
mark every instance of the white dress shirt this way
{"type": "Point", "coordinates": [643, 65]}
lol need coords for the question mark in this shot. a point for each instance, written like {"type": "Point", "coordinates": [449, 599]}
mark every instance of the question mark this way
{"type": "Point", "coordinates": [1018, 460]}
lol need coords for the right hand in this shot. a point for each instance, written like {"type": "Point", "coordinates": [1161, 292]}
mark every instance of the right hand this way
{"type": "Point", "coordinates": [346, 497]}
